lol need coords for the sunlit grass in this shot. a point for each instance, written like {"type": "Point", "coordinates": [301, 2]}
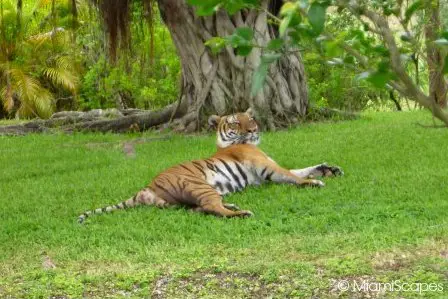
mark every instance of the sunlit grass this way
{"type": "Point", "coordinates": [391, 202]}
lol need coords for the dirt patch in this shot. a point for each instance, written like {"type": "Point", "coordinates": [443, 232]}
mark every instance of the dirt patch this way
{"type": "Point", "coordinates": [400, 258]}
{"type": "Point", "coordinates": [355, 287]}
{"type": "Point", "coordinates": [218, 285]}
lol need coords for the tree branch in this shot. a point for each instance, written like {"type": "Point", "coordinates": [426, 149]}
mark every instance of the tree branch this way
{"type": "Point", "coordinates": [409, 88]}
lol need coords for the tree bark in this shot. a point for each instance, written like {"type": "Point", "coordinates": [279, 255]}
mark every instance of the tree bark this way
{"type": "Point", "coordinates": [69, 122]}
{"type": "Point", "coordinates": [220, 84]}
{"type": "Point", "coordinates": [435, 59]}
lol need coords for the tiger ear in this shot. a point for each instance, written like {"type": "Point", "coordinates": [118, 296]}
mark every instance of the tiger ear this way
{"type": "Point", "coordinates": [250, 112]}
{"type": "Point", "coordinates": [213, 121]}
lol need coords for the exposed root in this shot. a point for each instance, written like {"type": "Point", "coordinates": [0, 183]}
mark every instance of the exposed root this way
{"type": "Point", "coordinates": [70, 123]}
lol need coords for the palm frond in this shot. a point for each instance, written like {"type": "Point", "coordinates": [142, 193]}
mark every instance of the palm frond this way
{"type": "Point", "coordinates": [61, 75]}
{"type": "Point", "coordinates": [7, 98]}
{"type": "Point", "coordinates": [34, 99]}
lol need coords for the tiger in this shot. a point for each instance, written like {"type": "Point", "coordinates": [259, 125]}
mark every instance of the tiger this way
{"type": "Point", "coordinates": [237, 163]}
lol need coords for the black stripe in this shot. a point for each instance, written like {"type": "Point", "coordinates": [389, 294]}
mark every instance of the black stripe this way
{"type": "Point", "coordinates": [263, 171]}
{"type": "Point", "coordinates": [219, 186]}
{"type": "Point", "coordinates": [196, 181]}
{"type": "Point", "coordinates": [85, 215]}
{"type": "Point", "coordinates": [210, 166]}
{"type": "Point", "coordinates": [268, 177]}
{"type": "Point", "coordinates": [104, 209]}
{"type": "Point", "coordinates": [117, 207]}
{"type": "Point", "coordinates": [185, 167]}
{"type": "Point", "coordinates": [222, 136]}
{"type": "Point", "coordinates": [230, 187]}
{"type": "Point", "coordinates": [229, 169]}
{"type": "Point", "coordinates": [208, 191]}
{"type": "Point", "coordinates": [174, 188]}
{"type": "Point", "coordinates": [199, 167]}
{"type": "Point", "coordinates": [164, 189]}
{"type": "Point", "coordinates": [222, 172]}
{"type": "Point", "coordinates": [243, 174]}
{"type": "Point", "coordinates": [125, 206]}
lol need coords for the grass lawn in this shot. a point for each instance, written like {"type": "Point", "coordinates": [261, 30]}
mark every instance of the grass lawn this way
{"type": "Point", "coordinates": [386, 220]}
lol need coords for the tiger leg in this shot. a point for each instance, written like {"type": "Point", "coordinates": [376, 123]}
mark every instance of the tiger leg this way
{"type": "Point", "coordinates": [223, 211]}
{"type": "Point", "coordinates": [209, 201]}
{"type": "Point", "coordinates": [275, 173]}
{"type": "Point", "coordinates": [318, 170]}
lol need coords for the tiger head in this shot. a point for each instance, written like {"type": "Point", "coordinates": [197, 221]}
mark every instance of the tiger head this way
{"type": "Point", "coordinates": [238, 128]}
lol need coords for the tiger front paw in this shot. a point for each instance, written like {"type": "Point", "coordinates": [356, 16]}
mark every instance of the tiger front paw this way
{"type": "Point", "coordinates": [327, 170]}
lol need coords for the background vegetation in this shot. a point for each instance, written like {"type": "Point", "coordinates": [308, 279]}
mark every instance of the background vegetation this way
{"type": "Point", "coordinates": [69, 68]}
{"type": "Point", "coordinates": [52, 60]}
{"type": "Point", "coordinates": [384, 220]}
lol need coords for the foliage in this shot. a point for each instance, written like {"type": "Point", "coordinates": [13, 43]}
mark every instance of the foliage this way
{"type": "Point", "coordinates": [335, 84]}
{"type": "Point", "coordinates": [35, 62]}
{"type": "Point", "coordinates": [148, 81]}
{"type": "Point", "coordinates": [369, 223]}
{"type": "Point", "coordinates": [382, 43]}
{"type": "Point", "coordinates": [51, 59]}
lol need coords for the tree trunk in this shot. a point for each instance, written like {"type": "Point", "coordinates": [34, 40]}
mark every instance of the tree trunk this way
{"type": "Point", "coordinates": [220, 84]}
{"type": "Point", "coordinates": [435, 59]}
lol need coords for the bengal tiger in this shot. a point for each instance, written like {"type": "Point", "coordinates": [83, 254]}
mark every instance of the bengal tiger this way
{"type": "Point", "coordinates": [238, 163]}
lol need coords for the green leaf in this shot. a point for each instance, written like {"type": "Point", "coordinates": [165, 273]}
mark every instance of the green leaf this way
{"type": "Point", "coordinates": [383, 51]}
{"type": "Point", "coordinates": [332, 48]}
{"type": "Point", "coordinates": [262, 71]}
{"type": "Point", "coordinates": [295, 37]}
{"type": "Point", "coordinates": [383, 66]}
{"type": "Point", "coordinates": [233, 6]}
{"type": "Point", "coordinates": [195, 2]}
{"type": "Point", "coordinates": [288, 8]}
{"type": "Point", "coordinates": [275, 44]}
{"type": "Point", "coordinates": [412, 9]}
{"type": "Point", "coordinates": [379, 79]}
{"type": "Point", "coordinates": [216, 44]}
{"type": "Point", "coordinates": [206, 10]}
{"type": "Point", "coordinates": [316, 17]}
{"type": "Point", "coordinates": [444, 34]}
{"type": "Point", "coordinates": [245, 32]}
{"type": "Point", "coordinates": [244, 50]}
{"type": "Point", "coordinates": [349, 59]}
{"type": "Point", "coordinates": [258, 78]}
{"type": "Point", "coordinates": [284, 24]}
{"type": "Point", "coordinates": [270, 58]}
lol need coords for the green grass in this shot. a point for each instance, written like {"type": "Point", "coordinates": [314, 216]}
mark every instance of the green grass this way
{"type": "Point", "coordinates": [385, 220]}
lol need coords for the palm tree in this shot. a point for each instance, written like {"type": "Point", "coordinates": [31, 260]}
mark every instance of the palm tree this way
{"type": "Point", "coordinates": [33, 65]}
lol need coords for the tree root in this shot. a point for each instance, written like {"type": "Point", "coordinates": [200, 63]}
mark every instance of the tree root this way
{"type": "Point", "coordinates": [130, 123]}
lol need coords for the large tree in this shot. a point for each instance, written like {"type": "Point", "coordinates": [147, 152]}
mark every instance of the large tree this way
{"type": "Point", "coordinates": [219, 83]}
